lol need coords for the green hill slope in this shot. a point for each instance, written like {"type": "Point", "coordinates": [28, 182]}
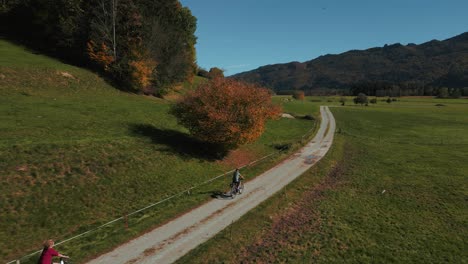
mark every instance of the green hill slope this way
{"type": "Point", "coordinates": [76, 153]}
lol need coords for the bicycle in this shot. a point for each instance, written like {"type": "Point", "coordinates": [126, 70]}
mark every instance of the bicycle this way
{"type": "Point", "coordinates": [236, 190]}
{"type": "Point", "coordinates": [65, 261]}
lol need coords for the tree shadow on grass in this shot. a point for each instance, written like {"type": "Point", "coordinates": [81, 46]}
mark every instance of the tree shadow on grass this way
{"type": "Point", "coordinates": [179, 143]}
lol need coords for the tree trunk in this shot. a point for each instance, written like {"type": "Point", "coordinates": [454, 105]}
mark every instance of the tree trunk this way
{"type": "Point", "coordinates": [114, 44]}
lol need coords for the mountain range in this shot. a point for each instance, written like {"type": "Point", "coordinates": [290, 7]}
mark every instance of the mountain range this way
{"type": "Point", "coordinates": [431, 64]}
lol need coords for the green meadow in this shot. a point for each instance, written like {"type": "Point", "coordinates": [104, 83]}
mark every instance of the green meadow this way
{"type": "Point", "coordinates": [77, 153]}
{"type": "Point", "coordinates": [392, 189]}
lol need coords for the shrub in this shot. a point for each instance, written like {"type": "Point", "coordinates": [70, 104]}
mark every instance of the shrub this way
{"type": "Point", "coordinates": [456, 93]}
{"type": "Point", "coordinates": [283, 147]}
{"type": "Point", "coordinates": [343, 100]}
{"type": "Point", "coordinates": [226, 112]}
{"type": "Point", "coordinates": [443, 92]}
{"type": "Point", "coordinates": [203, 73]}
{"type": "Point", "coordinates": [298, 95]}
{"type": "Point", "coordinates": [373, 101]}
{"type": "Point", "coordinates": [215, 72]}
{"type": "Point", "coordinates": [308, 117]}
{"type": "Point", "coordinates": [361, 99]}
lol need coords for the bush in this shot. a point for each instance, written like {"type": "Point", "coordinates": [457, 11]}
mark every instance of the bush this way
{"type": "Point", "coordinates": [226, 112]}
{"type": "Point", "coordinates": [361, 99]}
{"type": "Point", "coordinates": [203, 73]}
{"type": "Point", "coordinates": [283, 147]}
{"type": "Point", "coordinates": [373, 101]}
{"type": "Point", "coordinates": [343, 100]}
{"type": "Point", "coordinates": [298, 95]}
{"type": "Point", "coordinates": [443, 92]}
{"type": "Point", "coordinates": [215, 72]}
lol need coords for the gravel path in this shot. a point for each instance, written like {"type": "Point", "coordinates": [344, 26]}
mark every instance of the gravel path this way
{"type": "Point", "coordinates": [171, 241]}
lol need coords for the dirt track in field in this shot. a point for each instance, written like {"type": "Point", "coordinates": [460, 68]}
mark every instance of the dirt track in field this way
{"type": "Point", "coordinates": [171, 241]}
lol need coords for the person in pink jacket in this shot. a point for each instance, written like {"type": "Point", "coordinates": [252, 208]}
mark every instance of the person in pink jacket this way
{"type": "Point", "coordinates": [48, 253]}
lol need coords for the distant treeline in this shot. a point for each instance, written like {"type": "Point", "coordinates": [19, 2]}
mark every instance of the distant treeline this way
{"type": "Point", "coordinates": [385, 89]}
{"type": "Point", "coordinates": [145, 45]}
{"type": "Point", "coordinates": [381, 89]}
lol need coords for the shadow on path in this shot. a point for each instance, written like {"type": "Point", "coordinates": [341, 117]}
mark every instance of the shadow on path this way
{"type": "Point", "coordinates": [221, 196]}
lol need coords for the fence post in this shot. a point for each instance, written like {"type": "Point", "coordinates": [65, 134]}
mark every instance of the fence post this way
{"type": "Point", "coordinates": [17, 261]}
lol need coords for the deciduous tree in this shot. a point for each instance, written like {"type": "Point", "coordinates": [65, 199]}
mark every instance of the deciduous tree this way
{"type": "Point", "coordinates": [361, 99]}
{"type": "Point", "coordinates": [142, 68]}
{"type": "Point", "coordinates": [298, 95]}
{"type": "Point", "coordinates": [343, 100]}
{"type": "Point", "coordinates": [443, 92]}
{"type": "Point", "coordinates": [215, 72]}
{"type": "Point", "coordinates": [113, 34]}
{"type": "Point", "coordinates": [226, 112]}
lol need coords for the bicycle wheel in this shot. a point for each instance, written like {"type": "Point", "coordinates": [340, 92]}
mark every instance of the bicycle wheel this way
{"type": "Point", "coordinates": [233, 191]}
{"type": "Point", "coordinates": [241, 187]}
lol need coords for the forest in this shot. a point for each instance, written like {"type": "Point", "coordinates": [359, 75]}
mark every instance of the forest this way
{"type": "Point", "coordinates": [144, 46]}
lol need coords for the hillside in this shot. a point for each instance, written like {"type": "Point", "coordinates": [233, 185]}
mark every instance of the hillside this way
{"type": "Point", "coordinates": [431, 64]}
{"type": "Point", "coordinates": [145, 46]}
{"type": "Point", "coordinates": [76, 152]}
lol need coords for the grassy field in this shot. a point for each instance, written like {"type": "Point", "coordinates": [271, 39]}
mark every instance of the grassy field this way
{"type": "Point", "coordinates": [77, 153]}
{"type": "Point", "coordinates": [393, 189]}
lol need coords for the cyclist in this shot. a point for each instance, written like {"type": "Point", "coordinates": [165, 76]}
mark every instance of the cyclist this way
{"type": "Point", "coordinates": [48, 253]}
{"type": "Point", "coordinates": [236, 179]}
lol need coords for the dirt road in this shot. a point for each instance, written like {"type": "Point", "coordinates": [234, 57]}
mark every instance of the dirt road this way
{"type": "Point", "coordinates": [171, 241]}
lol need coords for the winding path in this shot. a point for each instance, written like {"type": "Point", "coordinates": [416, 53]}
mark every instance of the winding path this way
{"type": "Point", "coordinates": [171, 241]}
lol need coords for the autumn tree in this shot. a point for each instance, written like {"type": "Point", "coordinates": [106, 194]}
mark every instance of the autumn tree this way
{"type": "Point", "coordinates": [103, 29]}
{"type": "Point", "coordinates": [138, 43]}
{"type": "Point", "coordinates": [101, 54]}
{"type": "Point", "coordinates": [142, 69]}
{"type": "Point", "coordinates": [202, 73]}
{"type": "Point", "coordinates": [226, 112]}
{"type": "Point", "coordinates": [215, 72]}
{"type": "Point", "coordinates": [298, 95]}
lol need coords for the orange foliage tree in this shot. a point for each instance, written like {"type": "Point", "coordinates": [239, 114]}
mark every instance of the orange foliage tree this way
{"type": "Point", "coordinates": [100, 54]}
{"type": "Point", "coordinates": [298, 95]}
{"type": "Point", "coordinates": [226, 112]}
{"type": "Point", "coordinates": [142, 68]}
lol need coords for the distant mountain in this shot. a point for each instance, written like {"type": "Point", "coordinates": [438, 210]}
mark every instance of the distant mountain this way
{"type": "Point", "coordinates": [431, 64]}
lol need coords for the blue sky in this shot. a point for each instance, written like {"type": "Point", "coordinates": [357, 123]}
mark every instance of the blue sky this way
{"type": "Point", "coordinates": [243, 35]}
